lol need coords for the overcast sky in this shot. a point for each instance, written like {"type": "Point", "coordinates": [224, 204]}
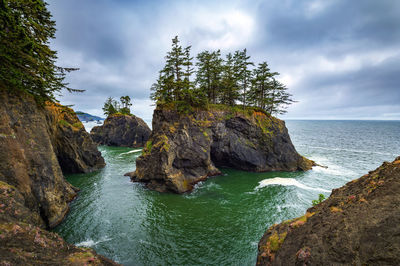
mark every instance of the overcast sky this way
{"type": "Point", "coordinates": [340, 59]}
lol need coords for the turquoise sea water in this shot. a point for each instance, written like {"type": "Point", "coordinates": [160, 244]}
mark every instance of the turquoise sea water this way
{"type": "Point", "coordinates": [222, 220]}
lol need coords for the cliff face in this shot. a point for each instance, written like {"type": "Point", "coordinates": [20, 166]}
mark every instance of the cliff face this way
{"type": "Point", "coordinates": [37, 144]}
{"type": "Point", "coordinates": [183, 150]}
{"type": "Point", "coordinates": [357, 225]}
{"type": "Point", "coordinates": [122, 130]}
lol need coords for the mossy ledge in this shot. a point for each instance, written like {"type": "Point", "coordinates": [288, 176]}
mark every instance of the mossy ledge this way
{"type": "Point", "coordinates": [357, 225]}
{"type": "Point", "coordinates": [184, 149]}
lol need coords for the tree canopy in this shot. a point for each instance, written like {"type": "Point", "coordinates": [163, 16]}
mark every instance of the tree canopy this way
{"type": "Point", "coordinates": [123, 106]}
{"type": "Point", "coordinates": [26, 61]}
{"type": "Point", "coordinates": [233, 80]}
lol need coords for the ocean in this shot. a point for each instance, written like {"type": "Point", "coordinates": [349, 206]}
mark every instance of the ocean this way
{"type": "Point", "coordinates": [222, 220]}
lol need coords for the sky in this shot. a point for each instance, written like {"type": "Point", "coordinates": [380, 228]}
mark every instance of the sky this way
{"type": "Point", "coordinates": [340, 59]}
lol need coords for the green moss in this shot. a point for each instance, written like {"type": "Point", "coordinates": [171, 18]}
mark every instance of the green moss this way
{"type": "Point", "coordinates": [64, 123]}
{"type": "Point", "coordinates": [275, 241]}
{"type": "Point", "coordinates": [147, 148]}
{"type": "Point", "coordinates": [77, 125]}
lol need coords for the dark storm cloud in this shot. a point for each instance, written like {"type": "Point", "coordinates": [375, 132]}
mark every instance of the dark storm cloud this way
{"type": "Point", "coordinates": [339, 58]}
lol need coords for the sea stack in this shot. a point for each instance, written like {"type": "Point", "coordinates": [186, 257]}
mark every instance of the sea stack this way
{"type": "Point", "coordinates": [185, 149]}
{"type": "Point", "coordinates": [357, 225]}
{"type": "Point", "coordinates": [122, 130]}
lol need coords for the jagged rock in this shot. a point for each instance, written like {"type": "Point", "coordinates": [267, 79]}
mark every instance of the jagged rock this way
{"type": "Point", "coordinates": [357, 225]}
{"type": "Point", "coordinates": [185, 149]}
{"type": "Point", "coordinates": [75, 150]}
{"type": "Point", "coordinates": [35, 141]}
{"type": "Point", "coordinates": [122, 130]}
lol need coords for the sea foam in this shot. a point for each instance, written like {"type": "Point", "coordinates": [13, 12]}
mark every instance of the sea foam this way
{"type": "Point", "coordinates": [286, 182]}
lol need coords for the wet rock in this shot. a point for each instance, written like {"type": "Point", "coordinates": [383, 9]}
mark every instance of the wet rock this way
{"type": "Point", "coordinates": [357, 225]}
{"type": "Point", "coordinates": [122, 130]}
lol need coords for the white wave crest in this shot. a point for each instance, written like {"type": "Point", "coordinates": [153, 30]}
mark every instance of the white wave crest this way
{"type": "Point", "coordinates": [286, 182]}
{"type": "Point", "coordinates": [91, 243]}
{"type": "Point", "coordinates": [132, 151]}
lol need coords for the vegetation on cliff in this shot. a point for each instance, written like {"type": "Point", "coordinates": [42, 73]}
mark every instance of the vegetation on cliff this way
{"type": "Point", "coordinates": [357, 225]}
{"type": "Point", "coordinates": [217, 81]}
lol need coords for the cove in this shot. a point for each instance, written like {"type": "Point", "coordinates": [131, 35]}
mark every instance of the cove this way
{"type": "Point", "coordinates": [222, 220]}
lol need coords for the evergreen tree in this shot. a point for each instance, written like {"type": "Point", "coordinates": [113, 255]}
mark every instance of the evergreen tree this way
{"type": "Point", "coordinates": [229, 83]}
{"type": "Point", "coordinates": [209, 74]}
{"type": "Point", "coordinates": [110, 106]}
{"type": "Point", "coordinates": [125, 105]}
{"type": "Point", "coordinates": [243, 73]}
{"type": "Point", "coordinates": [261, 81]}
{"type": "Point", "coordinates": [26, 61]}
{"type": "Point", "coordinates": [278, 98]}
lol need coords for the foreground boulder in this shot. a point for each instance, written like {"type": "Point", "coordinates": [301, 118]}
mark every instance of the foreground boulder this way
{"type": "Point", "coordinates": [122, 130]}
{"type": "Point", "coordinates": [185, 149]}
{"type": "Point", "coordinates": [359, 224]}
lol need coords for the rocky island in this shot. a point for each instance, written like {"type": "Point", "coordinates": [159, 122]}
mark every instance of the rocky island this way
{"type": "Point", "coordinates": [189, 148]}
{"type": "Point", "coordinates": [122, 130]}
{"type": "Point", "coordinates": [357, 225]}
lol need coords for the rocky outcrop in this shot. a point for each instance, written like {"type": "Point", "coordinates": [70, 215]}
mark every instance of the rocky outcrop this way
{"type": "Point", "coordinates": [37, 144]}
{"type": "Point", "coordinates": [357, 225]}
{"type": "Point", "coordinates": [122, 130]}
{"type": "Point", "coordinates": [75, 150]}
{"type": "Point", "coordinates": [23, 241]}
{"type": "Point", "coordinates": [185, 149]}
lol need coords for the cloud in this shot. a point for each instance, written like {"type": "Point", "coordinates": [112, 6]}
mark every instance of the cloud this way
{"type": "Point", "coordinates": [338, 58]}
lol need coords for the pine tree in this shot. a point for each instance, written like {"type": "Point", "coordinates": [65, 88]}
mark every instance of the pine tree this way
{"type": "Point", "coordinates": [26, 61]}
{"type": "Point", "coordinates": [229, 83]}
{"type": "Point", "coordinates": [125, 105]}
{"type": "Point", "coordinates": [110, 106]}
{"type": "Point", "coordinates": [261, 81]}
{"type": "Point", "coordinates": [209, 72]}
{"type": "Point", "coordinates": [243, 73]}
{"type": "Point", "coordinates": [278, 98]}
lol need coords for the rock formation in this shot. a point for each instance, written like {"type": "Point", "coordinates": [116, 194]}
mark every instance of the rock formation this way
{"type": "Point", "coordinates": [37, 144]}
{"type": "Point", "coordinates": [185, 149]}
{"type": "Point", "coordinates": [357, 225]}
{"type": "Point", "coordinates": [122, 130]}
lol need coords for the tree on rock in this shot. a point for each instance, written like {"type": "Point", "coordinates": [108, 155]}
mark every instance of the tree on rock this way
{"type": "Point", "coordinates": [26, 61]}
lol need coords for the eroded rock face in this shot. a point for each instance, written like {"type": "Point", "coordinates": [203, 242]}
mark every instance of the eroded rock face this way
{"type": "Point", "coordinates": [33, 192]}
{"type": "Point", "coordinates": [32, 142]}
{"type": "Point", "coordinates": [357, 225]}
{"type": "Point", "coordinates": [182, 150]}
{"type": "Point", "coordinates": [123, 131]}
